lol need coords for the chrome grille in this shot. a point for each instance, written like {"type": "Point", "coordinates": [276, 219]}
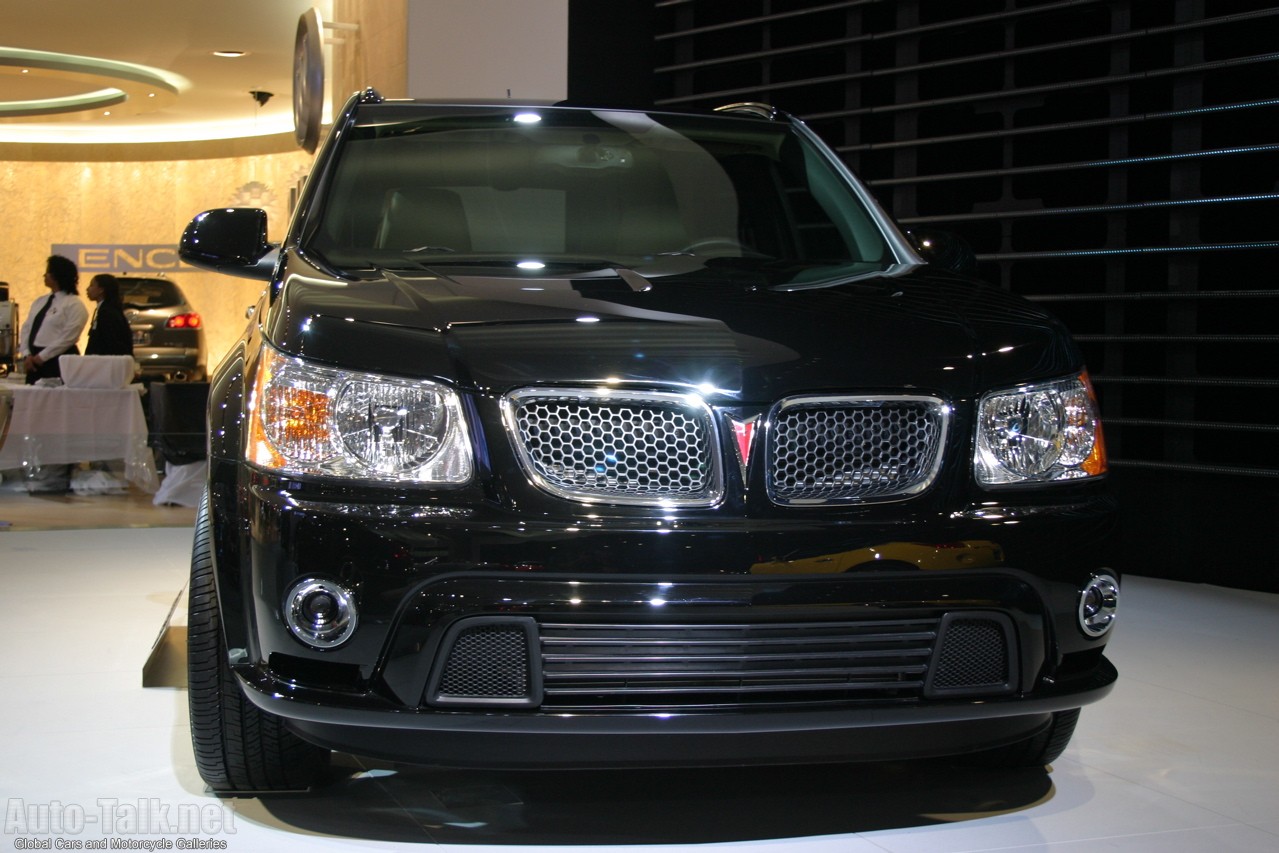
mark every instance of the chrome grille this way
{"type": "Point", "coordinates": [685, 666]}
{"type": "Point", "coordinates": [845, 449]}
{"type": "Point", "coordinates": [623, 447]}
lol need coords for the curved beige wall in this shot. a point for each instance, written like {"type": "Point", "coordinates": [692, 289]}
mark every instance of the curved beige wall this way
{"type": "Point", "coordinates": [139, 203]}
{"type": "Point", "coordinates": [146, 194]}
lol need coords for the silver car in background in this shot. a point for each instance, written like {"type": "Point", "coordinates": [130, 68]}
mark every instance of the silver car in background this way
{"type": "Point", "coordinates": [168, 333]}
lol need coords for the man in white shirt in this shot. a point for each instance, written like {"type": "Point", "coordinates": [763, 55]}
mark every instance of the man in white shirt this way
{"type": "Point", "coordinates": [54, 324]}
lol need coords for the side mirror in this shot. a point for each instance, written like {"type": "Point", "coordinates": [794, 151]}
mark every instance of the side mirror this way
{"type": "Point", "coordinates": [229, 240]}
{"type": "Point", "coordinates": [945, 249]}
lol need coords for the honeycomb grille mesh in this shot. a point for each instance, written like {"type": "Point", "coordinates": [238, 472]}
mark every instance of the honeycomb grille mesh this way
{"type": "Point", "coordinates": [638, 449]}
{"type": "Point", "coordinates": [858, 450]}
{"type": "Point", "coordinates": [487, 661]}
{"type": "Point", "coordinates": [974, 653]}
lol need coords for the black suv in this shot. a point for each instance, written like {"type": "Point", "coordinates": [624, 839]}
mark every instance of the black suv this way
{"type": "Point", "coordinates": [592, 437]}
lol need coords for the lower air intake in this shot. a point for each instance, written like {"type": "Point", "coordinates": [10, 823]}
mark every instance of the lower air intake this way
{"type": "Point", "coordinates": [975, 655]}
{"type": "Point", "coordinates": [487, 661]}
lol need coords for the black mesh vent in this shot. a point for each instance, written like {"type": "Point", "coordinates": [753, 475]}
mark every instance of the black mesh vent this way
{"type": "Point", "coordinates": [487, 662]}
{"type": "Point", "coordinates": [973, 654]}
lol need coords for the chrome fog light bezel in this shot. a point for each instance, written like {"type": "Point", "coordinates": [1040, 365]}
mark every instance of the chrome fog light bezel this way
{"type": "Point", "coordinates": [320, 633]}
{"type": "Point", "coordinates": [1098, 605]}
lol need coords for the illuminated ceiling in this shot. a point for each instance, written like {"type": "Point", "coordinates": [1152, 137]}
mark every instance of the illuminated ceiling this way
{"type": "Point", "coordinates": [107, 71]}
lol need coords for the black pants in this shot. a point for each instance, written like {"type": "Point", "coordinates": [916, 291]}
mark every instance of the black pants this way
{"type": "Point", "coordinates": [50, 369]}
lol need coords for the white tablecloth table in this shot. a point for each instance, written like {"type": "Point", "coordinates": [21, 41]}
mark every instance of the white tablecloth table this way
{"type": "Point", "coordinates": [53, 426]}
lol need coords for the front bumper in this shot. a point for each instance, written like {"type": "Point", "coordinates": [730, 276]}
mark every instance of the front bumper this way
{"type": "Point", "coordinates": [171, 362]}
{"type": "Point", "coordinates": [423, 576]}
{"type": "Point", "coordinates": [711, 739]}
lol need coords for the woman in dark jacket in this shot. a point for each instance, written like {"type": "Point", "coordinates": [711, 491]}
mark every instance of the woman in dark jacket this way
{"type": "Point", "coordinates": [109, 332]}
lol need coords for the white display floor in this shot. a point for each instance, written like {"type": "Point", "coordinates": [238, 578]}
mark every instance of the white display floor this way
{"type": "Point", "coordinates": [1183, 756]}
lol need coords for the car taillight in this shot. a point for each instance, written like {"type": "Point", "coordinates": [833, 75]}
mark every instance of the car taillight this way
{"type": "Point", "coordinates": [183, 321]}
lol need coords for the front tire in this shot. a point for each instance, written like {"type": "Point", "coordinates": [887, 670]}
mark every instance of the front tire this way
{"type": "Point", "coordinates": [238, 746]}
{"type": "Point", "coordinates": [1036, 751]}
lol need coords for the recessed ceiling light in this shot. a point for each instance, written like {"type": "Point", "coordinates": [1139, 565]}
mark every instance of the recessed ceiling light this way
{"type": "Point", "coordinates": [231, 54]}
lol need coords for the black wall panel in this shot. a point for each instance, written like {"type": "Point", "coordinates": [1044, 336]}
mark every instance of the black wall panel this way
{"type": "Point", "coordinates": [1116, 161]}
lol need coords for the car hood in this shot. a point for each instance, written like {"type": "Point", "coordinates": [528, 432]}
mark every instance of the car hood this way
{"type": "Point", "coordinates": [922, 330]}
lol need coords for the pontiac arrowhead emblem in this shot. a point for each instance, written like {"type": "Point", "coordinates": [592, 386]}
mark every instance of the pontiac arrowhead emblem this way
{"type": "Point", "coordinates": [744, 433]}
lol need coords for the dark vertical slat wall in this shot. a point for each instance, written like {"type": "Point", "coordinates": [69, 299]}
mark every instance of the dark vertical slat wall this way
{"type": "Point", "coordinates": [1115, 161]}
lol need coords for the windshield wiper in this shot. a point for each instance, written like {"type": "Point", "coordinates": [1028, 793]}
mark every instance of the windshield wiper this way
{"type": "Point", "coordinates": [446, 257]}
{"type": "Point", "coordinates": [890, 271]}
{"type": "Point", "coordinates": [429, 250]}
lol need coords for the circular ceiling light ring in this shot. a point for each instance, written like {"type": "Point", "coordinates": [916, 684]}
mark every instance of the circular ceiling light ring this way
{"type": "Point", "coordinates": [92, 72]}
{"type": "Point", "coordinates": [98, 100]}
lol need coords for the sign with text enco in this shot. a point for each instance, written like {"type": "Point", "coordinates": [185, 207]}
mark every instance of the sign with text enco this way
{"type": "Point", "coordinates": [122, 259]}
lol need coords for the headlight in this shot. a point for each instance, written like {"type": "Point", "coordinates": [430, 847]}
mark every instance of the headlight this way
{"type": "Point", "coordinates": [1040, 433]}
{"type": "Point", "coordinates": [307, 419]}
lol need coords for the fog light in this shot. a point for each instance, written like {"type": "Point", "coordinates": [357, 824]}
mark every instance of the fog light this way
{"type": "Point", "coordinates": [320, 613]}
{"type": "Point", "coordinates": [1098, 605]}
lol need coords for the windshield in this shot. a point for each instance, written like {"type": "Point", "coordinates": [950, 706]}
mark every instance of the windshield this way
{"type": "Point", "coordinates": [657, 193]}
